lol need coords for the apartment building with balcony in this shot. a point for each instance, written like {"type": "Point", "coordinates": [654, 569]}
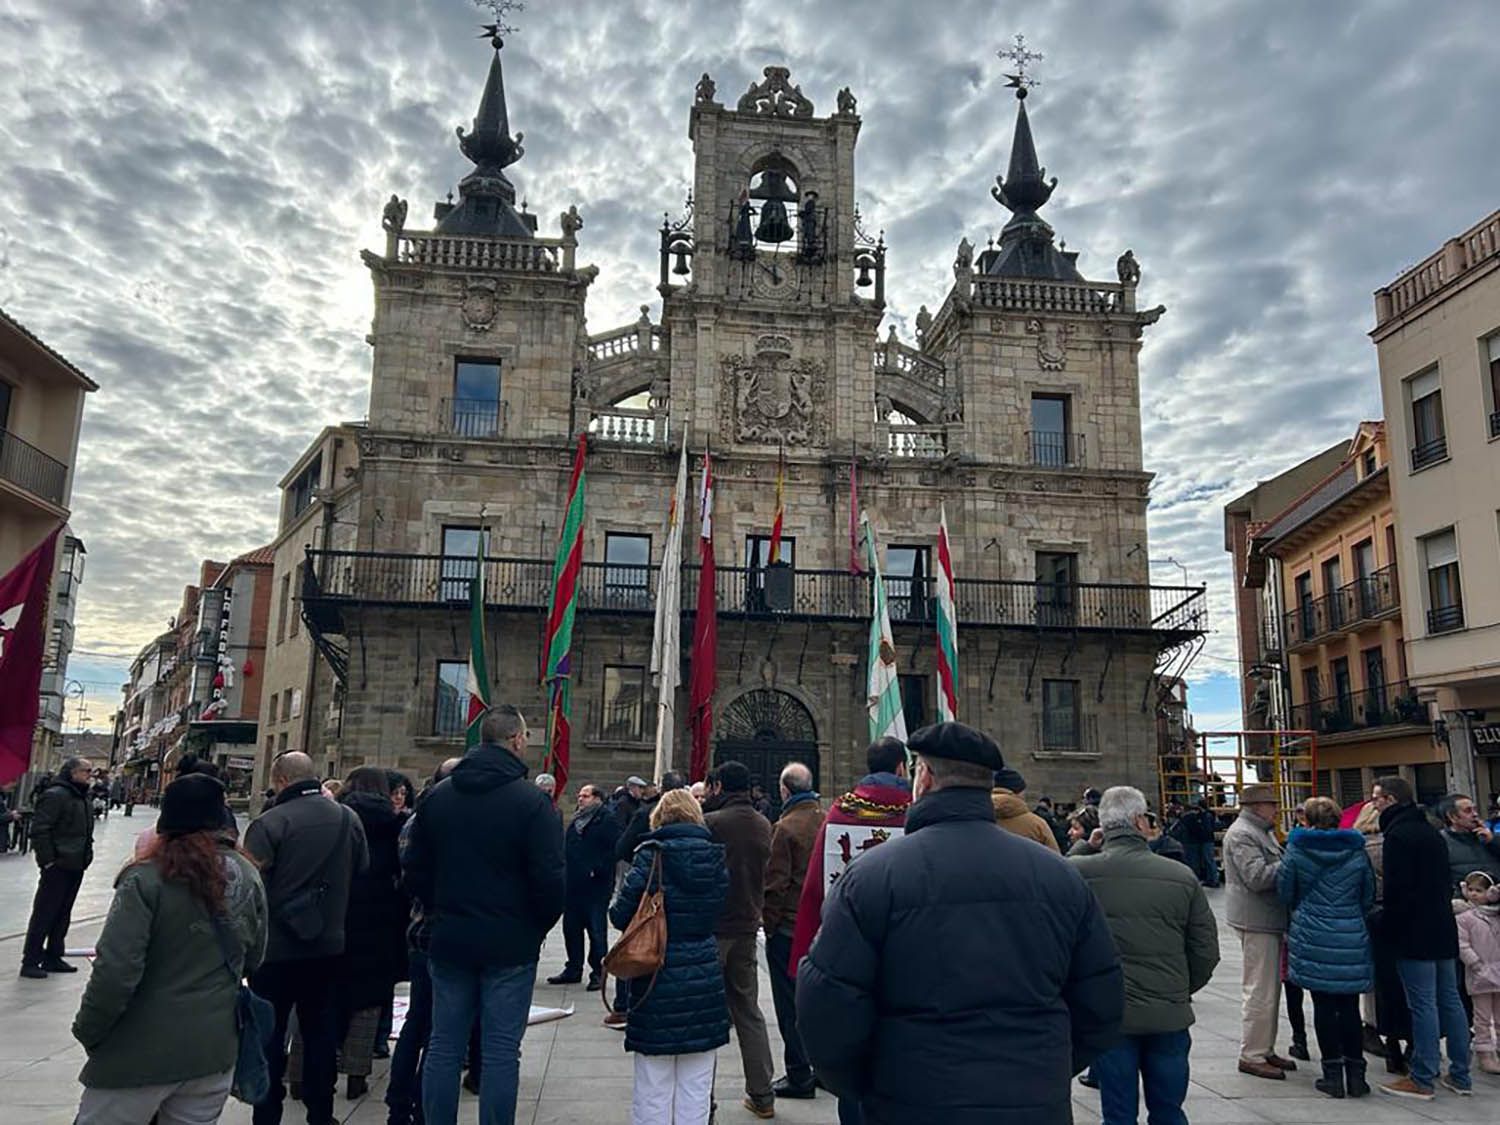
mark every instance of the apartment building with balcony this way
{"type": "Point", "coordinates": [41, 410]}
{"type": "Point", "coordinates": [1017, 407]}
{"type": "Point", "coordinates": [1437, 339]}
{"type": "Point", "coordinates": [1338, 640]}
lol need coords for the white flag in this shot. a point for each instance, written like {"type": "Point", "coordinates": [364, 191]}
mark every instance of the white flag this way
{"type": "Point", "coordinates": [883, 695]}
{"type": "Point", "coordinates": [666, 641]}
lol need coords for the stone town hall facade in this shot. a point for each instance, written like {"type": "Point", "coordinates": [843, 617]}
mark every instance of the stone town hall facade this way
{"type": "Point", "coordinates": [1018, 408]}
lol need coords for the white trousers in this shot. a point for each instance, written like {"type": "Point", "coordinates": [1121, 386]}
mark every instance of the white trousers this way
{"type": "Point", "coordinates": [672, 1089]}
{"type": "Point", "coordinates": [1260, 994]}
{"type": "Point", "coordinates": [198, 1101]}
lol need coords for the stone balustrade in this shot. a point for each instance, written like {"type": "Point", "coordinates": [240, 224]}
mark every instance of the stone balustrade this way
{"type": "Point", "coordinates": [466, 252]}
{"type": "Point", "coordinates": [1458, 255]}
{"type": "Point", "coordinates": [626, 426]}
{"type": "Point", "coordinates": [917, 441]}
{"type": "Point", "coordinates": [1022, 294]}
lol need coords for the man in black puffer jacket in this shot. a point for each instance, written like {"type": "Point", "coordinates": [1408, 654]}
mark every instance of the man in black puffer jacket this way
{"type": "Point", "coordinates": [485, 859]}
{"type": "Point", "coordinates": [962, 975]}
{"type": "Point", "coordinates": [62, 836]}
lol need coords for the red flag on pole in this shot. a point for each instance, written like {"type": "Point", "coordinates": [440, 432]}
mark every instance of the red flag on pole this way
{"type": "Point", "coordinates": [780, 507]}
{"type": "Point", "coordinates": [705, 633]}
{"type": "Point", "coordinates": [23, 640]}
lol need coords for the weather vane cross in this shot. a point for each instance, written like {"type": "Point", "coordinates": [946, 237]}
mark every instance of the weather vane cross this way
{"type": "Point", "coordinates": [501, 10]}
{"type": "Point", "coordinates": [1020, 57]}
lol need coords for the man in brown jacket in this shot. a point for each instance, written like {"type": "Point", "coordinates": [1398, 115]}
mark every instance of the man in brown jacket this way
{"type": "Point", "coordinates": [792, 843]}
{"type": "Point", "coordinates": [746, 836]}
{"type": "Point", "coordinates": [1011, 812]}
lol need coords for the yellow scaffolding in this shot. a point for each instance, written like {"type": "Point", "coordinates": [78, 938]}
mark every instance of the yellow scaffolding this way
{"type": "Point", "coordinates": [1219, 764]}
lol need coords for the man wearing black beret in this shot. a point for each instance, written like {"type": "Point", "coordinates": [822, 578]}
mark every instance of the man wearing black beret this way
{"type": "Point", "coordinates": [962, 975]}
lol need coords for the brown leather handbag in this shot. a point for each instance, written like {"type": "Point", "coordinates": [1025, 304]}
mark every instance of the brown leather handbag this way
{"type": "Point", "coordinates": [642, 947]}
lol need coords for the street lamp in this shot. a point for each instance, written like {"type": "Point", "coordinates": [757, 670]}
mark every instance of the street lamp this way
{"type": "Point", "coordinates": [1170, 561]}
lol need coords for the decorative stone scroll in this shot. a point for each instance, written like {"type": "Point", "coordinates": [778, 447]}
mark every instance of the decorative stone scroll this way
{"type": "Point", "coordinates": [776, 96]}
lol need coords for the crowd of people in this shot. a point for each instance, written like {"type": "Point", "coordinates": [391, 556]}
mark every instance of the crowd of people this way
{"type": "Point", "coordinates": [880, 957]}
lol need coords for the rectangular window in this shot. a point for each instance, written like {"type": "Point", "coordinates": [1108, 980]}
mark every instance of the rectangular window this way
{"type": "Point", "coordinates": [1373, 660]}
{"type": "Point", "coordinates": [476, 397]}
{"type": "Point", "coordinates": [296, 600]}
{"type": "Point", "coordinates": [450, 708]}
{"type": "Point", "coordinates": [627, 570]}
{"type": "Point", "coordinates": [1368, 463]}
{"type": "Point", "coordinates": [1351, 787]}
{"type": "Point", "coordinates": [5, 393]}
{"type": "Point", "coordinates": [1343, 690]}
{"type": "Point", "coordinates": [1052, 442]}
{"type": "Point", "coordinates": [281, 743]}
{"type": "Point", "coordinates": [914, 699]}
{"type": "Point", "coordinates": [282, 607]}
{"type": "Point", "coordinates": [275, 715]}
{"type": "Point", "coordinates": [1429, 438]}
{"type": "Point", "coordinates": [1492, 347]}
{"type": "Point", "coordinates": [1445, 604]}
{"type": "Point", "coordinates": [460, 561]}
{"type": "Point", "coordinates": [296, 702]}
{"type": "Point", "coordinates": [286, 706]}
{"type": "Point", "coordinates": [757, 558]}
{"type": "Point", "coordinates": [1312, 687]}
{"type": "Point", "coordinates": [908, 584]}
{"type": "Point", "coordinates": [1368, 588]}
{"type": "Point", "coordinates": [1333, 579]}
{"type": "Point", "coordinates": [1060, 721]}
{"type": "Point", "coordinates": [624, 703]}
{"type": "Point", "coordinates": [301, 490]}
{"type": "Point", "coordinates": [1307, 626]}
{"type": "Point", "coordinates": [1056, 588]}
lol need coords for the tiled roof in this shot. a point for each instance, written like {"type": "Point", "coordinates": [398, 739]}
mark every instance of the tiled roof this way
{"type": "Point", "coordinates": [261, 556]}
{"type": "Point", "coordinates": [40, 343]}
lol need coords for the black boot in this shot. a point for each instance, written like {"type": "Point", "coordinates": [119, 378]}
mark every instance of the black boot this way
{"type": "Point", "coordinates": [1395, 1061]}
{"type": "Point", "coordinates": [1354, 1077]}
{"type": "Point", "coordinates": [1298, 1049]}
{"type": "Point", "coordinates": [1332, 1082]}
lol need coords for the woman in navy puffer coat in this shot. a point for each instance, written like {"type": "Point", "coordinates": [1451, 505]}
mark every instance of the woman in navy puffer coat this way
{"type": "Point", "coordinates": [675, 1027]}
{"type": "Point", "coordinates": [1327, 881]}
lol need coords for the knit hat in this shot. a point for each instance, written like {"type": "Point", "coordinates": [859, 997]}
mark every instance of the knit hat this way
{"type": "Point", "coordinates": [194, 803]}
{"type": "Point", "coordinates": [1010, 779]}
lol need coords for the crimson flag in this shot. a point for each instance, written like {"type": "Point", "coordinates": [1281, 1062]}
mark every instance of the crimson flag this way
{"type": "Point", "coordinates": [23, 621]}
{"type": "Point", "coordinates": [705, 634]}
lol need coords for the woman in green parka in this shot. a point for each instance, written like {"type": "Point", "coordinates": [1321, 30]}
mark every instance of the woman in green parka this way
{"type": "Point", "coordinates": [158, 1014]}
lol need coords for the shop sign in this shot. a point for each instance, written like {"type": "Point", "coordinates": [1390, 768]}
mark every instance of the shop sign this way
{"type": "Point", "coordinates": [1486, 738]}
{"type": "Point", "coordinates": [240, 763]}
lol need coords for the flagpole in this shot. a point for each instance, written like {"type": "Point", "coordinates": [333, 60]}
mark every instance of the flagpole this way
{"type": "Point", "coordinates": [947, 624]}
{"type": "Point", "coordinates": [666, 644]}
{"type": "Point", "coordinates": [883, 694]}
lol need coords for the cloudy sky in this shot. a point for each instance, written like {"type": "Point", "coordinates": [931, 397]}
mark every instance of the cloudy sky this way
{"type": "Point", "coordinates": [185, 188]}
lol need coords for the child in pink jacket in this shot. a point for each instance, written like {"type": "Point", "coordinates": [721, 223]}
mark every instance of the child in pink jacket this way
{"type": "Point", "coordinates": [1479, 950]}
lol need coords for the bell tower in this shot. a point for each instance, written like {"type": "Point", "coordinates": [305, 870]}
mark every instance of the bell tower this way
{"type": "Point", "coordinates": [771, 294]}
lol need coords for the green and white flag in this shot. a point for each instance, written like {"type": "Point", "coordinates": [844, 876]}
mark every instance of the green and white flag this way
{"type": "Point", "coordinates": [884, 686]}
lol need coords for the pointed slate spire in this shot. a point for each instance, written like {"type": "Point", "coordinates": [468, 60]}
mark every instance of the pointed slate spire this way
{"type": "Point", "coordinates": [486, 204]}
{"type": "Point", "coordinates": [1026, 248]}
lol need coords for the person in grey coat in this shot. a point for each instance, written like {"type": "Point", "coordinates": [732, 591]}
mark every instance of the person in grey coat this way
{"type": "Point", "coordinates": [1252, 859]}
{"type": "Point", "coordinates": [1169, 946]}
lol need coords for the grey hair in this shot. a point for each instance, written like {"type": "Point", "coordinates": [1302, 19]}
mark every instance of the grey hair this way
{"type": "Point", "coordinates": [545, 779]}
{"type": "Point", "coordinates": [1120, 805]}
{"type": "Point", "coordinates": [797, 778]}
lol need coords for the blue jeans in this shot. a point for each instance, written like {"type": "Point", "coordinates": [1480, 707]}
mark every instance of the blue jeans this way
{"type": "Point", "coordinates": [1201, 856]}
{"type": "Point", "coordinates": [502, 998]}
{"type": "Point", "coordinates": [1157, 1062]}
{"type": "Point", "coordinates": [1431, 989]}
{"type": "Point", "coordinates": [404, 1093]}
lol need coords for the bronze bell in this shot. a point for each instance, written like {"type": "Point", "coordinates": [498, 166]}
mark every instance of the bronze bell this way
{"type": "Point", "coordinates": [681, 266]}
{"type": "Point", "coordinates": [863, 280]}
{"type": "Point", "coordinates": [776, 194]}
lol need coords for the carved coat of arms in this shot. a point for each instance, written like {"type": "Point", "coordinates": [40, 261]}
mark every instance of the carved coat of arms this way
{"type": "Point", "coordinates": [771, 398]}
{"type": "Point", "coordinates": [1051, 343]}
{"type": "Point", "coordinates": [479, 306]}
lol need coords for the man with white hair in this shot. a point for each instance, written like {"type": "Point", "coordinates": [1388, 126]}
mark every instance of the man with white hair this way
{"type": "Point", "coordinates": [547, 784]}
{"type": "Point", "coordinates": [1169, 945]}
{"type": "Point", "coordinates": [792, 841]}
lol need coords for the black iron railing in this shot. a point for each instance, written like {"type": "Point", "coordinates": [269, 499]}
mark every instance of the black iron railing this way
{"type": "Point", "coordinates": [26, 466]}
{"type": "Point", "coordinates": [1445, 619]}
{"type": "Point", "coordinates": [385, 579]}
{"type": "Point", "coordinates": [472, 417]}
{"type": "Point", "coordinates": [1495, 424]}
{"type": "Point", "coordinates": [1375, 596]}
{"type": "Point", "coordinates": [1053, 449]}
{"type": "Point", "coordinates": [1428, 452]}
{"type": "Point", "coordinates": [1381, 706]}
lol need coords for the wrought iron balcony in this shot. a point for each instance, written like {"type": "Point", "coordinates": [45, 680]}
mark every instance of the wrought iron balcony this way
{"type": "Point", "coordinates": [1445, 619]}
{"type": "Point", "coordinates": [1382, 706]}
{"type": "Point", "coordinates": [1429, 453]}
{"type": "Point", "coordinates": [1054, 449]}
{"type": "Point", "coordinates": [1495, 424]}
{"type": "Point", "coordinates": [1369, 599]}
{"type": "Point", "coordinates": [472, 417]}
{"type": "Point", "coordinates": [337, 579]}
{"type": "Point", "coordinates": [28, 468]}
